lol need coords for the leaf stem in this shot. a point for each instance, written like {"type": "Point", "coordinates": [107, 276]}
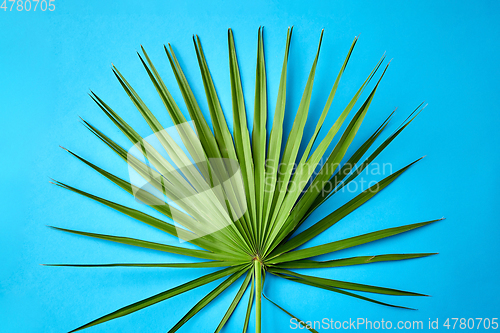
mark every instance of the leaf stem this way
{"type": "Point", "coordinates": [258, 292]}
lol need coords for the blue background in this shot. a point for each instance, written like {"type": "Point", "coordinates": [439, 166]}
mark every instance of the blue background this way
{"type": "Point", "coordinates": [445, 53]}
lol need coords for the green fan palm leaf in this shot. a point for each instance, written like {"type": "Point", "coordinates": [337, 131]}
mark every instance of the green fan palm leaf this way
{"type": "Point", "coordinates": [237, 197]}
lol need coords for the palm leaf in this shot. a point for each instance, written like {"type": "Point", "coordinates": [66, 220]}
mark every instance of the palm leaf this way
{"type": "Point", "coordinates": [162, 296]}
{"type": "Point", "coordinates": [347, 243]}
{"type": "Point", "coordinates": [291, 315]}
{"type": "Point", "coordinates": [338, 214]}
{"type": "Point", "coordinates": [249, 306]}
{"type": "Point", "coordinates": [150, 245]}
{"type": "Point", "coordinates": [205, 264]}
{"type": "Point", "coordinates": [291, 149]}
{"type": "Point", "coordinates": [234, 195]}
{"type": "Point", "coordinates": [343, 292]}
{"type": "Point", "coordinates": [344, 285]}
{"type": "Point", "coordinates": [235, 301]}
{"type": "Point", "coordinates": [206, 300]}
{"type": "Point", "coordinates": [350, 261]}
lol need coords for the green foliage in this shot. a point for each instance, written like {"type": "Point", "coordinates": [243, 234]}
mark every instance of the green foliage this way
{"type": "Point", "coordinates": [247, 228]}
